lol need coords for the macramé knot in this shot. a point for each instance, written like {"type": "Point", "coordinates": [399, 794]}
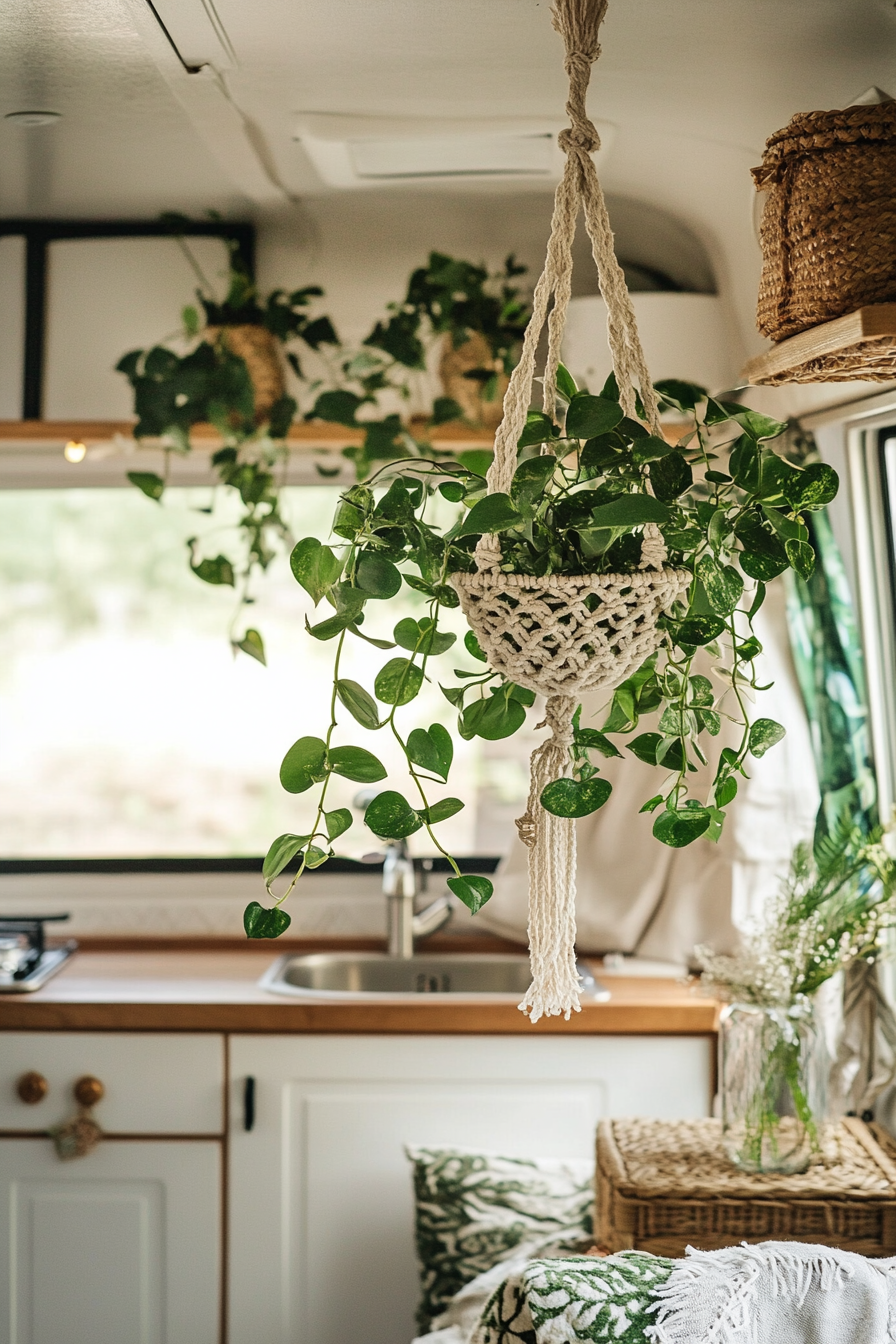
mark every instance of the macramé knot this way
{"type": "Point", "coordinates": [558, 713]}
{"type": "Point", "coordinates": [653, 548]}
{"type": "Point", "coordinates": [488, 555]}
{"type": "Point", "coordinates": [582, 137]}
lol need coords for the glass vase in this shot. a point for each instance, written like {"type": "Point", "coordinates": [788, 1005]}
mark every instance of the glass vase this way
{"type": "Point", "coordinates": [772, 1077]}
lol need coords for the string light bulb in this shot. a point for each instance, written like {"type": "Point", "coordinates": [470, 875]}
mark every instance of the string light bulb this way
{"type": "Point", "coordinates": [74, 451]}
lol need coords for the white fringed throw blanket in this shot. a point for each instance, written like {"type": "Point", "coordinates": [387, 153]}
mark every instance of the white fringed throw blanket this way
{"type": "Point", "coordinates": [774, 1293]}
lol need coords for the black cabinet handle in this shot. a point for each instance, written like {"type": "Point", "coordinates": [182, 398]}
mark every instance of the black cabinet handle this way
{"type": "Point", "coordinates": [249, 1104]}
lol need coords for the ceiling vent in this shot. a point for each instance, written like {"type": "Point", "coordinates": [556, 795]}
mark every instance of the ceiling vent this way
{"type": "Point", "coordinates": [368, 152]}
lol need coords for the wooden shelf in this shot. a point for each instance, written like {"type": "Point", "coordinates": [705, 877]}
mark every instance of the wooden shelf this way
{"type": "Point", "coordinates": [301, 435]}
{"type": "Point", "coordinates": [858, 346]}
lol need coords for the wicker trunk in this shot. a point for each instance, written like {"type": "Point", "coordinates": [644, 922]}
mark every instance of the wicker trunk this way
{"type": "Point", "coordinates": [665, 1185]}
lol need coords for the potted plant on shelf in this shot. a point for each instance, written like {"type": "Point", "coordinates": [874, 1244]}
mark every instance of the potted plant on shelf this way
{"type": "Point", "coordinates": [230, 376]}
{"type": "Point", "coordinates": [471, 320]}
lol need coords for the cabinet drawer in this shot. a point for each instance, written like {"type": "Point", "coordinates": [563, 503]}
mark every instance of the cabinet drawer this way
{"type": "Point", "coordinates": [154, 1083]}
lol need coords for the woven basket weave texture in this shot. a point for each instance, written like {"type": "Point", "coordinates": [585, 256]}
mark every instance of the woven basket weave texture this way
{"type": "Point", "coordinates": [258, 348]}
{"type": "Point", "coordinates": [542, 634]}
{"type": "Point", "coordinates": [665, 1185]}
{"type": "Point", "coordinates": [828, 230]}
{"type": "Point", "coordinates": [873, 360]}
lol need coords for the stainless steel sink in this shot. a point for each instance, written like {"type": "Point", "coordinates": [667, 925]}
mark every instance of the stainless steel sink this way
{"type": "Point", "coordinates": [364, 975]}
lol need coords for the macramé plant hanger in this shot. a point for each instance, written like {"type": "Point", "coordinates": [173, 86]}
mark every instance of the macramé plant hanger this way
{"type": "Point", "coordinates": [539, 631]}
{"type": "Point", "coordinates": [591, 557]}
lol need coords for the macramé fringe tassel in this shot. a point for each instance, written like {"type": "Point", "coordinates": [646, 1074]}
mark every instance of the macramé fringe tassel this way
{"type": "Point", "coordinates": [552, 876]}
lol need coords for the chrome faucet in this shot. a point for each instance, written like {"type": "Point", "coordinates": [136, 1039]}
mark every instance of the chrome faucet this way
{"type": "Point", "coordinates": [400, 889]}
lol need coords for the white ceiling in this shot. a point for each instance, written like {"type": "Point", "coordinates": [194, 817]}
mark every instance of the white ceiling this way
{"type": "Point", "coordinates": [692, 89]}
{"type": "Point", "coordinates": [138, 133]}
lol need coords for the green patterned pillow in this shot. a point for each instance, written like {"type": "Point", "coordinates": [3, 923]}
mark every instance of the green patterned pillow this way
{"type": "Point", "coordinates": [474, 1209]}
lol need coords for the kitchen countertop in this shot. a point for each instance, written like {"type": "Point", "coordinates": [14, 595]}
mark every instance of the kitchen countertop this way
{"type": "Point", "coordinates": [217, 990]}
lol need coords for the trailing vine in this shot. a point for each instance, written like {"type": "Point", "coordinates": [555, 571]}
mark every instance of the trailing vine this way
{"type": "Point", "coordinates": [585, 486]}
{"type": "Point", "coordinates": [207, 381]}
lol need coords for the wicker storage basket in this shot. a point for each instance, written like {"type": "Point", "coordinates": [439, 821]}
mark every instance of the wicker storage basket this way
{"type": "Point", "coordinates": [828, 230]}
{"type": "Point", "coordinates": [666, 1185]}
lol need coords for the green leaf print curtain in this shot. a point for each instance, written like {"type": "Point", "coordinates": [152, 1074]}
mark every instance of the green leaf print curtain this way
{"type": "Point", "coordinates": [829, 665]}
{"type": "Point", "coordinates": [827, 653]}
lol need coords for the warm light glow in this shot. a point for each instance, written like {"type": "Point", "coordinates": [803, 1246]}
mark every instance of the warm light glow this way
{"type": "Point", "coordinates": [74, 451]}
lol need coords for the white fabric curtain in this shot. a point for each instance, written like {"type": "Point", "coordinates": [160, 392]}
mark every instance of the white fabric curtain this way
{"type": "Point", "coordinates": [638, 896]}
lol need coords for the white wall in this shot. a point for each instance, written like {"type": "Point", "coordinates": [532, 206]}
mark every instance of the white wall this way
{"type": "Point", "coordinates": [106, 296]}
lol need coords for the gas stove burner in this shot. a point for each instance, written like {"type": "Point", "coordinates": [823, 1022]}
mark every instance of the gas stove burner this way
{"type": "Point", "coordinates": [26, 962]}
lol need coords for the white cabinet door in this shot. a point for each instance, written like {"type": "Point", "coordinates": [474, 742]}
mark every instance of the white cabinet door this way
{"type": "Point", "coordinates": [321, 1223]}
{"type": "Point", "coordinates": [119, 1247]}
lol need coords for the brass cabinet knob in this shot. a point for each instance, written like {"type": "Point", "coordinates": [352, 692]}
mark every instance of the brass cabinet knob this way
{"type": "Point", "coordinates": [88, 1090]}
{"type": "Point", "coordinates": [32, 1087]}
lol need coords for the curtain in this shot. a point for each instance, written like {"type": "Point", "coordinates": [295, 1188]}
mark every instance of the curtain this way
{"type": "Point", "coordinates": [829, 664]}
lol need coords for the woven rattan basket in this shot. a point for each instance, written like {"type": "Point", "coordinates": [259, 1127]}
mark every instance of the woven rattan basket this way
{"type": "Point", "coordinates": [257, 347]}
{"type": "Point", "coordinates": [828, 230]}
{"type": "Point", "coordinates": [666, 1185]}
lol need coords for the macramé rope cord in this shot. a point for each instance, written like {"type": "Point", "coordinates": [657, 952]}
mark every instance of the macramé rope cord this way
{"type": "Point", "coordinates": [551, 839]}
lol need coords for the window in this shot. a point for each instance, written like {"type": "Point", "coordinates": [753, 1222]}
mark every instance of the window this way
{"type": "Point", "coordinates": [129, 730]}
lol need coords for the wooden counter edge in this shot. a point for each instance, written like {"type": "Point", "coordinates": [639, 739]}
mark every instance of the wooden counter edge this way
{"type": "Point", "coordinates": [657, 1019]}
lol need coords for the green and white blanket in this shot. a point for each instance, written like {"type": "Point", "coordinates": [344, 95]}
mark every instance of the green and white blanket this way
{"type": "Point", "coordinates": [774, 1293]}
{"type": "Point", "coordinates": [554, 1299]}
{"type": "Point", "coordinates": [604, 1301]}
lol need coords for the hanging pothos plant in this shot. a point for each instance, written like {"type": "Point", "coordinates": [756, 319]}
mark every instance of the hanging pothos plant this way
{"type": "Point", "coordinates": [449, 302]}
{"type": "Point", "coordinates": [731, 514]}
{"type": "Point", "coordinates": [230, 375]}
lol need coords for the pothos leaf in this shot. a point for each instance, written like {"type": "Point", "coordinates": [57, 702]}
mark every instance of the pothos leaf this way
{"type": "Point", "coordinates": [472, 889]}
{"type": "Point", "coordinates": [304, 764]}
{"type": "Point", "coordinates": [471, 644]}
{"type": "Point", "coordinates": [356, 764]}
{"type": "Point", "coordinates": [698, 630]}
{"type": "Point", "coordinates": [215, 570]}
{"type": "Point", "coordinates": [376, 576]}
{"type": "Point", "coordinates": [359, 703]}
{"type": "Point", "coordinates": [441, 811]}
{"type": "Point", "coordinates": [764, 733]}
{"type": "Point", "coordinates": [574, 798]}
{"type": "Point", "coordinates": [801, 556]}
{"type": "Point", "coordinates": [398, 682]}
{"type": "Point", "coordinates": [495, 513]}
{"type": "Point", "coordinates": [496, 717]}
{"type": "Point", "coordinates": [253, 644]}
{"type": "Point", "coordinates": [152, 485]}
{"type": "Point", "coordinates": [391, 816]}
{"type": "Point", "coordinates": [432, 750]}
{"type": "Point", "coordinates": [588, 416]}
{"type": "Point", "coordinates": [337, 822]}
{"type": "Point", "coordinates": [681, 827]}
{"type": "Point", "coordinates": [722, 583]}
{"type": "Point", "coordinates": [282, 852]}
{"type": "Point", "coordinates": [261, 923]}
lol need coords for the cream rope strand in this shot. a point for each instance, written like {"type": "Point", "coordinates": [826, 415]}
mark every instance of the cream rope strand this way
{"type": "Point", "coordinates": [542, 633]}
